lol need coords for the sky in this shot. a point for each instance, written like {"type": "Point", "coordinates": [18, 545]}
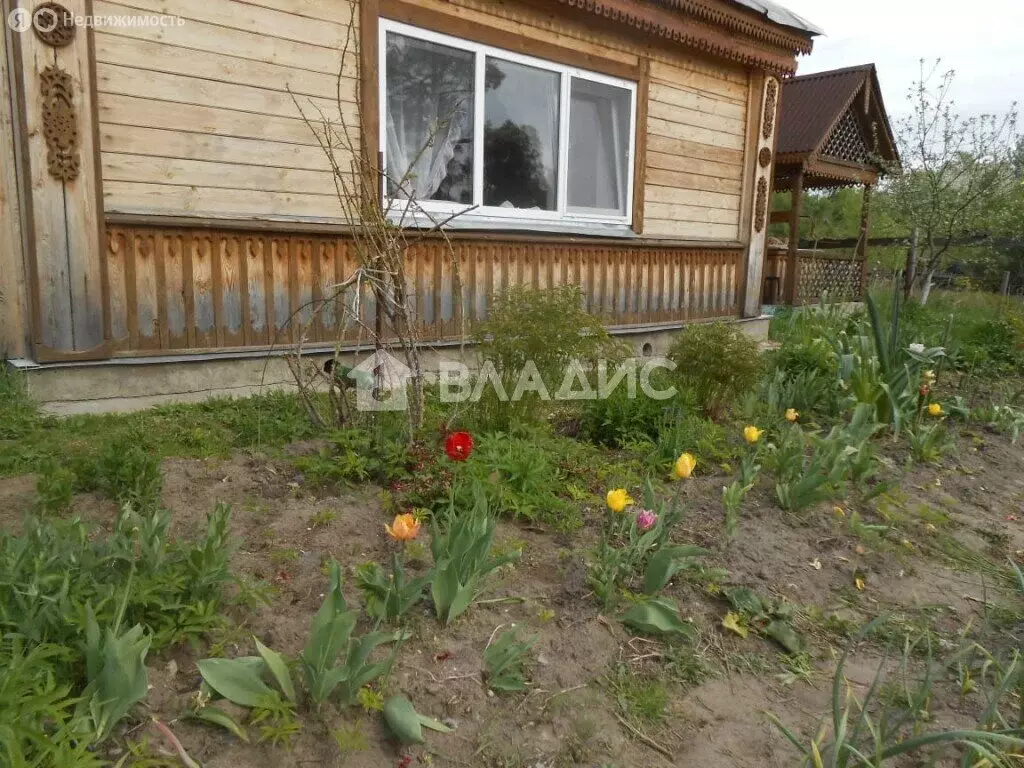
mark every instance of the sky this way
{"type": "Point", "coordinates": [983, 40]}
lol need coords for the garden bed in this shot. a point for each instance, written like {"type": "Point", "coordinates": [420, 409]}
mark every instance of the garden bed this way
{"type": "Point", "coordinates": [906, 557]}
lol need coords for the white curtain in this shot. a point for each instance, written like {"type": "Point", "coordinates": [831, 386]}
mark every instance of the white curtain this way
{"type": "Point", "coordinates": [422, 131]}
{"type": "Point", "coordinates": [598, 147]}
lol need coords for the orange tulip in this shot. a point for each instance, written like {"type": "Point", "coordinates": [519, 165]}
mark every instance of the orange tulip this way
{"type": "Point", "coordinates": [404, 528]}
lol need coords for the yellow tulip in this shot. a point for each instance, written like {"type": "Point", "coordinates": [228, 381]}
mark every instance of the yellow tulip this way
{"type": "Point", "coordinates": [684, 466]}
{"type": "Point", "coordinates": [752, 434]}
{"type": "Point", "coordinates": [404, 528]}
{"type": "Point", "coordinates": [792, 414]}
{"type": "Point", "coordinates": [618, 500]}
{"type": "Point", "coordinates": [935, 410]}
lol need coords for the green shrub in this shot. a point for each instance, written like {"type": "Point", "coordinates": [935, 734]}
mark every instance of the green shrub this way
{"type": "Point", "coordinates": [355, 456]}
{"type": "Point", "coordinates": [54, 488]}
{"type": "Point", "coordinates": [991, 347]}
{"type": "Point", "coordinates": [128, 471]}
{"type": "Point", "coordinates": [520, 476]}
{"type": "Point", "coordinates": [548, 328]}
{"type": "Point", "coordinates": [55, 568]}
{"type": "Point", "coordinates": [718, 363]}
{"type": "Point", "coordinates": [38, 723]}
{"type": "Point", "coordinates": [619, 419]}
{"type": "Point", "coordinates": [688, 432]}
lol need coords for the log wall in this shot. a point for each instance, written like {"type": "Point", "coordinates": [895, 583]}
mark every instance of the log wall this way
{"type": "Point", "coordinates": [181, 289]}
{"type": "Point", "coordinates": [200, 118]}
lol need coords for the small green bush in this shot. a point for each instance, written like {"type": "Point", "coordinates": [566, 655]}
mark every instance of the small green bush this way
{"type": "Point", "coordinates": [56, 567]}
{"type": "Point", "coordinates": [520, 477]}
{"type": "Point", "coordinates": [689, 432]}
{"type": "Point", "coordinates": [717, 363]}
{"type": "Point", "coordinates": [619, 419]}
{"type": "Point", "coordinates": [129, 472]}
{"type": "Point", "coordinates": [54, 488]}
{"type": "Point", "coordinates": [546, 328]}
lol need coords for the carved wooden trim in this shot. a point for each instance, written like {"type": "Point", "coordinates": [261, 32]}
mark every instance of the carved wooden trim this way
{"type": "Point", "coordinates": [733, 21]}
{"type": "Point", "coordinates": [60, 124]}
{"type": "Point", "coordinates": [771, 102]}
{"type": "Point", "coordinates": [289, 292]}
{"type": "Point", "coordinates": [764, 157]}
{"type": "Point", "coordinates": [761, 205]}
{"type": "Point", "coordinates": [54, 24]}
{"type": "Point", "coordinates": [706, 37]}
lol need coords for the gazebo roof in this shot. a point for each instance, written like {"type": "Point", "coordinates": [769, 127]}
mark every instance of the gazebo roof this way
{"type": "Point", "coordinates": [834, 127]}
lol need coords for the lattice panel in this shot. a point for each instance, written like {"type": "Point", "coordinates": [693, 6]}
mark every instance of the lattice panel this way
{"type": "Point", "coordinates": [847, 141]}
{"type": "Point", "coordinates": [838, 277]}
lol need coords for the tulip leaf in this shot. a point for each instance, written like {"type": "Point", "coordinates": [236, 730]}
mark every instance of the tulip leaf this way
{"type": "Point", "coordinates": [403, 720]}
{"type": "Point", "coordinates": [211, 714]}
{"type": "Point", "coordinates": [745, 600]}
{"type": "Point", "coordinates": [666, 563]}
{"type": "Point", "coordinates": [236, 680]}
{"type": "Point", "coordinates": [278, 668]}
{"type": "Point", "coordinates": [732, 622]}
{"type": "Point", "coordinates": [657, 617]}
{"type": "Point", "coordinates": [434, 725]}
{"type": "Point", "coordinates": [784, 634]}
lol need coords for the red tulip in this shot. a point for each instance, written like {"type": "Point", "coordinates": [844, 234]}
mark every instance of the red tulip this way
{"type": "Point", "coordinates": [458, 446]}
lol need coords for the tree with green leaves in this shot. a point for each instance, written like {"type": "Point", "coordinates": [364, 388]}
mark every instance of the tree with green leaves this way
{"type": "Point", "coordinates": [955, 168]}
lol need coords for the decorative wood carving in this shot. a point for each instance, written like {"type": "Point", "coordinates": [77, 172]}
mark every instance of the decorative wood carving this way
{"type": "Point", "coordinates": [677, 28]}
{"type": "Point", "coordinates": [771, 102]}
{"type": "Point", "coordinates": [183, 288]}
{"type": "Point", "coordinates": [60, 125]}
{"type": "Point", "coordinates": [761, 204]}
{"type": "Point", "coordinates": [764, 157]}
{"type": "Point", "coordinates": [54, 24]}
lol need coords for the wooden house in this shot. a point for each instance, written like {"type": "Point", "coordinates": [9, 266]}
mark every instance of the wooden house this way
{"type": "Point", "coordinates": [167, 217]}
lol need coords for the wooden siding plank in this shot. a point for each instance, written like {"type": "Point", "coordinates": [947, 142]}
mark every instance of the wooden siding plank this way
{"type": "Point", "coordinates": [258, 45]}
{"type": "Point", "coordinates": [131, 81]}
{"type": "Point", "coordinates": [214, 175]}
{"type": "Point", "coordinates": [131, 197]}
{"type": "Point", "coordinates": [694, 118]}
{"type": "Point", "coordinates": [170, 115]}
{"type": "Point", "coordinates": [673, 130]}
{"type": "Point", "coordinates": [132, 50]}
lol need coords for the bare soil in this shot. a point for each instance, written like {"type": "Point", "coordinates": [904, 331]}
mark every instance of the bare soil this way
{"type": "Point", "coordinates": [571, 714]}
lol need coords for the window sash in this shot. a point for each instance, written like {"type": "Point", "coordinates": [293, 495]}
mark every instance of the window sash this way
{"type": "Point", "coordinates": [562, 213]}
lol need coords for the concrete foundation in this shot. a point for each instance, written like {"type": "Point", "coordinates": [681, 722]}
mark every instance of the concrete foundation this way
{"type": "Point", "coordinates": [127, 384]}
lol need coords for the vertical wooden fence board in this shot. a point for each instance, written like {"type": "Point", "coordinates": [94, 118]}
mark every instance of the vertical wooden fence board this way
{"type": "Point", "coordinates": [202, 289]}
{"type": "Point", "coordinates": [146, 291]}
{"type": "Point", "coordinates": [281, 286]}
{"type": "Point", "coordinates": [232, 291]}
{"type": "Point", "coordinates": [174, 271]}
{"type": "Point", "coordinates": [117, 248]}
{"type": "Point", "coordinates": [160, 259]}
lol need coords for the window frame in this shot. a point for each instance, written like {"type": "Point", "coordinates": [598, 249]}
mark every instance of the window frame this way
{"type": "Point", "coordinates": [476, 213]}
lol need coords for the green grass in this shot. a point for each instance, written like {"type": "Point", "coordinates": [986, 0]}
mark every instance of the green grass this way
{"type": "Point", "coordinates": [215, 428]}
{"type": "Point", "coordinates": [641, 699]}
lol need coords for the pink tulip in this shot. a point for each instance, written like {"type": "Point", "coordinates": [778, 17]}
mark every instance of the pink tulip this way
{"type": "Point", "coordinates": [645, 519]}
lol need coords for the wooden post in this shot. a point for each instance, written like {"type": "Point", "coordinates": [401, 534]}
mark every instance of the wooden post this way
{"type": "Point", "coordinates": [762, 127]}
{"type": "Point", "coordinates": [865, 233]}
{"type": "Point", "coordinates": [14, 313]}
{"type": "Point", "coordinates": [56, 89]}
{"type": "Point", "coordinates": [792, 261]}
{"type": "Point", "coordinates": [1004, 288]}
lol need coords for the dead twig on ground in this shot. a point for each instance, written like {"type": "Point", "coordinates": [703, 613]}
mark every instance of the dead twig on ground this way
{"type": "Point", "coordinates": [644, 737]}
